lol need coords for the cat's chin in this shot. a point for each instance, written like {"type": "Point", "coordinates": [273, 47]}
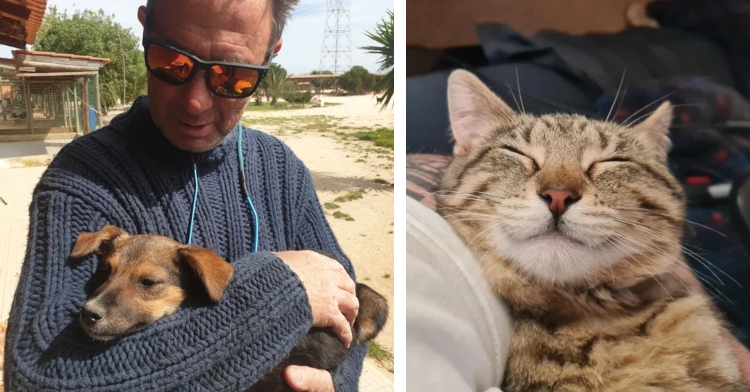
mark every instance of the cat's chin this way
{"type": "Point", "coordinates": [556, 258]}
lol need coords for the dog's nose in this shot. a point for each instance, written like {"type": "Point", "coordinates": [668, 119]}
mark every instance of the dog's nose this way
{"type": "Point", "coordinates": [90, 315]}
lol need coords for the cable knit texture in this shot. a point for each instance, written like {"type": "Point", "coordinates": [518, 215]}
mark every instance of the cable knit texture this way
{"type": "Point", "coordinates": [129, 175]}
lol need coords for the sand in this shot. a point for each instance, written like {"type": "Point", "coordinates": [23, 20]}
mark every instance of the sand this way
{"type": "Point", "coordinates": [339, 167]}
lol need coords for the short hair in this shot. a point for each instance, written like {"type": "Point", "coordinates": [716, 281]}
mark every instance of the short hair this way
{"type": "Point", "coordinates": [282, 10]}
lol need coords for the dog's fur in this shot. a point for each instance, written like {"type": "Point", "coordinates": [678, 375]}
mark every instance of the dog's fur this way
{"type": "Point", "coordinates": [142, 278]}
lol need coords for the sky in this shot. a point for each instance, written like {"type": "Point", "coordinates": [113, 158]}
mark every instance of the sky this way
{"type": "Point", "coordinates": [303, 36]}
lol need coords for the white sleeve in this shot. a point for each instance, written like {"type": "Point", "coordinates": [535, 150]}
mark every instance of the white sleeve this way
{"type": "Point", "coordinates": [457, 331]}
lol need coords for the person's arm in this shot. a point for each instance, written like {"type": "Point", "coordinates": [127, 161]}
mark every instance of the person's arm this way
{"type": "Point", "coordinates": [314, 232]}
{"type": "Point", "coordinates": [225, 346]}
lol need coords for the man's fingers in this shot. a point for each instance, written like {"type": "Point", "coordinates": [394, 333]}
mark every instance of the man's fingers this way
{"type": "Point", "coordinates": [342, 329]}
{"type": "Point", "coordinates": [349, 306]}
{"type": "Point", "coordinates": [346, 283]}
{"type": "Point", "coordinates": [306, 379]}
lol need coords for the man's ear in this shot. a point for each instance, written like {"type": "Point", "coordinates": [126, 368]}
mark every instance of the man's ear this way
{"type": "Point", "coordinates": [142, 15]}
{"type": "Point", "coordinates": [211, 269]}
{"type": "Point", "coordinates": [88, 243]}
{"type": "Point", "coordinates": [277, 47]}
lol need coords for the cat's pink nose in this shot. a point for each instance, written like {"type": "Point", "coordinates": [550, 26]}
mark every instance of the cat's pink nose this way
{"type": "Point", "coordinates": [559, 200]}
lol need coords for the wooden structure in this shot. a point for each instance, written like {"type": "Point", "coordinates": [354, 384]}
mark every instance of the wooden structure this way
{"type": "Point", "coordinates": [20, 21]}
{"type": "Point", "coordinates": [43, 93]}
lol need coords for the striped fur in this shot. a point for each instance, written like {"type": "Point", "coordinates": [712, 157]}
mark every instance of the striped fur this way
{"type": "Point", "coordinates": [596, 305]}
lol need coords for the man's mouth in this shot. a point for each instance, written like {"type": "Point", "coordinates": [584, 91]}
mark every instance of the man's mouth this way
{"type": "Point", "coordinates": [194, 125]}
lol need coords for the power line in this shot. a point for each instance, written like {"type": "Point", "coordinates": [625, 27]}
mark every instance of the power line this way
{"type": "Point", "coordinates": [336, 55]}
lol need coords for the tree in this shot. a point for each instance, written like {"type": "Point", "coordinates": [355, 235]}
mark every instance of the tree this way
{"type": "Point", "coordinates": [94, 33]}
{"type": "Point", "coordinates": [357, 80]}
{"type": "Point", "coordinates": [322, 83]}
{"type": "Point", "coordinates": [274, 83]}
{"type": "Point", "coordinates": [383, 37]}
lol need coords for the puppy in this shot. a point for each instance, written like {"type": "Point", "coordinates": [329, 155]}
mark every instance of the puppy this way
{"type": "Point", "coordinates": [142, 278]}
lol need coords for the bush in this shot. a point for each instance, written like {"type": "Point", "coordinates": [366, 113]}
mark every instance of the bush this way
{"type": "Point", "coordinates": [357, 80]}
{"type": "Point", "coordinates": [299, 97]}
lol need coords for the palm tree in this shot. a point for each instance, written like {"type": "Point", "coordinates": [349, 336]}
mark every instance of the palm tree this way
{"type": "Point", "coordinates": [273, 84]}
{"type": "Point", "coordinates": [383, 37]}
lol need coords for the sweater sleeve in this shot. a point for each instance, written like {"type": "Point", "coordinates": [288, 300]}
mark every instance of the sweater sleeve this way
{"type": "Point", "coordinates": [314, 232]}
{"type": "Point", "coordinates": [222, 347]}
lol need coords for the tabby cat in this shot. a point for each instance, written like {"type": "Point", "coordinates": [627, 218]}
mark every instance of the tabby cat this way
{"type": "Point", "coordinates": [578, 224]}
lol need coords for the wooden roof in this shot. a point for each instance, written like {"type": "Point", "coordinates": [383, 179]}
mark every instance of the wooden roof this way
{"type": "Point", "coordinates": [20, 21]}
{"type": "Point", "coordinates": [21, 54]}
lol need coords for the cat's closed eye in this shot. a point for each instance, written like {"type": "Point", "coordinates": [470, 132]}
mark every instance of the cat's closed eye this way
{"type": "Point", "coordinates": [608, 160]}
{"type": "Point", "coordinates": [534, 164]}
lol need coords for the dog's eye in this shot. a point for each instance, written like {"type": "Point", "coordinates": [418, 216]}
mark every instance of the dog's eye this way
{"type": "Point", "coordinates": [147, 283]}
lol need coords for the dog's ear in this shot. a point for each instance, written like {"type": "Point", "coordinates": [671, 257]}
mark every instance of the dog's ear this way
{"type": "Point", "coordinates": [372, 316]}
{"type": "Point", "coordinates": [88, 243]}
{"type": "Point", "coordinates": [212, 270]}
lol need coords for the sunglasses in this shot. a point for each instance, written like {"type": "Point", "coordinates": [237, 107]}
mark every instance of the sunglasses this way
{"type": "Point", "coordinates": [224, 79]}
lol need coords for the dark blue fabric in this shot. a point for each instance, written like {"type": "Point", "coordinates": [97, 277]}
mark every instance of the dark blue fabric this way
{"type": "Point", "coordinates": [725, 22]}
{"type": "Point", "coordinates": [705, 149]}
{"type": "Point", "coordinates": [547, 85]}
{"type": "Point", "coordinates": [129, 175]}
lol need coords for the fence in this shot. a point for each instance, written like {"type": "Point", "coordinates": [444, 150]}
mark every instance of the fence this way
{"type": "Point", "coordinates": [47, 105]}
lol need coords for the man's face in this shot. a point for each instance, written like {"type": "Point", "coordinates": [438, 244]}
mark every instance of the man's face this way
{"type": "Point", "coordinates": [189, 115]}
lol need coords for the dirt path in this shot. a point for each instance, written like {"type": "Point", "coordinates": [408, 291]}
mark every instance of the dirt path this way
{"type": "Point", "coordinates": [346, 169]}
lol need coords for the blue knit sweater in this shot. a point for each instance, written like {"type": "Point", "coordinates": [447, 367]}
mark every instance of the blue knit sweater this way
{"type": "Point", "coordinates": [129, 175]}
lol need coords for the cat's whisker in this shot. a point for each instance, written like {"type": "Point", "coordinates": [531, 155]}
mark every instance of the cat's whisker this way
{"type": "Point", "coordinates": [481, 233]}
{"type": "Point", "coordinates": [513, 95]}
{"type": "Point", "coordinates": [641, 224]}
{"type": "Point", "coordinates": [651, 230]}
{"type": "Point", "coordinates": [650, 113]}
{"type": "Point", "coordinates": [672, 217]}
{"type": "Point", "coordinates": [705, 262]}
{"type": "Point", "coordinates": [638, 254]}
{"type": "Point", "coordinates": [520, 95]}
{"type": "Point", "coordinates": [709, 287]}
{"type": "Point", "coordinates": [617, 94]}
{"type": "Point", "coordinates": [468, 213]}
{"type": "Point", "coordinates": [467, 195]}
{"type": "Point", "coordinates": [625, 122]}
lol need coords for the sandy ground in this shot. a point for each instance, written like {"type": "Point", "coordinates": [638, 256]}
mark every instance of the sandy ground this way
{"type": "Point", "coordinates": [343, 166]}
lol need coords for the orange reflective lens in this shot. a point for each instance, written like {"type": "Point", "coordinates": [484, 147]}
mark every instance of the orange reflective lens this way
{"type": "Point", "coordinates": [228, 80]}
{"type": "Point", "coordinates": [224, 80]}
{"type": "Point", "coordinates": [168, 63]}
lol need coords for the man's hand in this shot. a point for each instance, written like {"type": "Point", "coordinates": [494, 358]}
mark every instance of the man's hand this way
{"type": "Point", "coordinates": [307, 379]}
{"type": "Point", "coordinates": [330, 290]}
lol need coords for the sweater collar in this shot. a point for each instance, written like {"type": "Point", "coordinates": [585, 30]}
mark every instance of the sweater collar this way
{"type": "Point", "coordinates": [139, 127]}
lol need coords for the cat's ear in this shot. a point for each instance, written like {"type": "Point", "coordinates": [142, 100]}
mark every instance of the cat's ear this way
{"type": "Point", "coordinates": [655, 130]}
{"type": "Point", "coordinates": [474, 111]}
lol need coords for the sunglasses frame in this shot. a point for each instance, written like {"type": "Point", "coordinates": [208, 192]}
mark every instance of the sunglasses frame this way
{"type": "Point", "coordinates": [206, 66]}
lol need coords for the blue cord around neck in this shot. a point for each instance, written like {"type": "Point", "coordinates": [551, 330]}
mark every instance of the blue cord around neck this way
{"type": "Point", "coordinates": [243, 186]}
{"type": "Point", "coordinates": [195, 203]}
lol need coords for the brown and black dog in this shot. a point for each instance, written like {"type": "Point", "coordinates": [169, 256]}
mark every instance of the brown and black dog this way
{"type": "Point", "coordinates": [142, 278]}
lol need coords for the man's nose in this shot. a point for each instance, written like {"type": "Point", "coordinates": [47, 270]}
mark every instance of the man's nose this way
{"type": "Point", "coordinates": [196, 98]}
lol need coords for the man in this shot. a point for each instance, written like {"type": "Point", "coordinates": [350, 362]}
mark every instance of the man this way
{"type": "Point", "coordinates": [170, 166]}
